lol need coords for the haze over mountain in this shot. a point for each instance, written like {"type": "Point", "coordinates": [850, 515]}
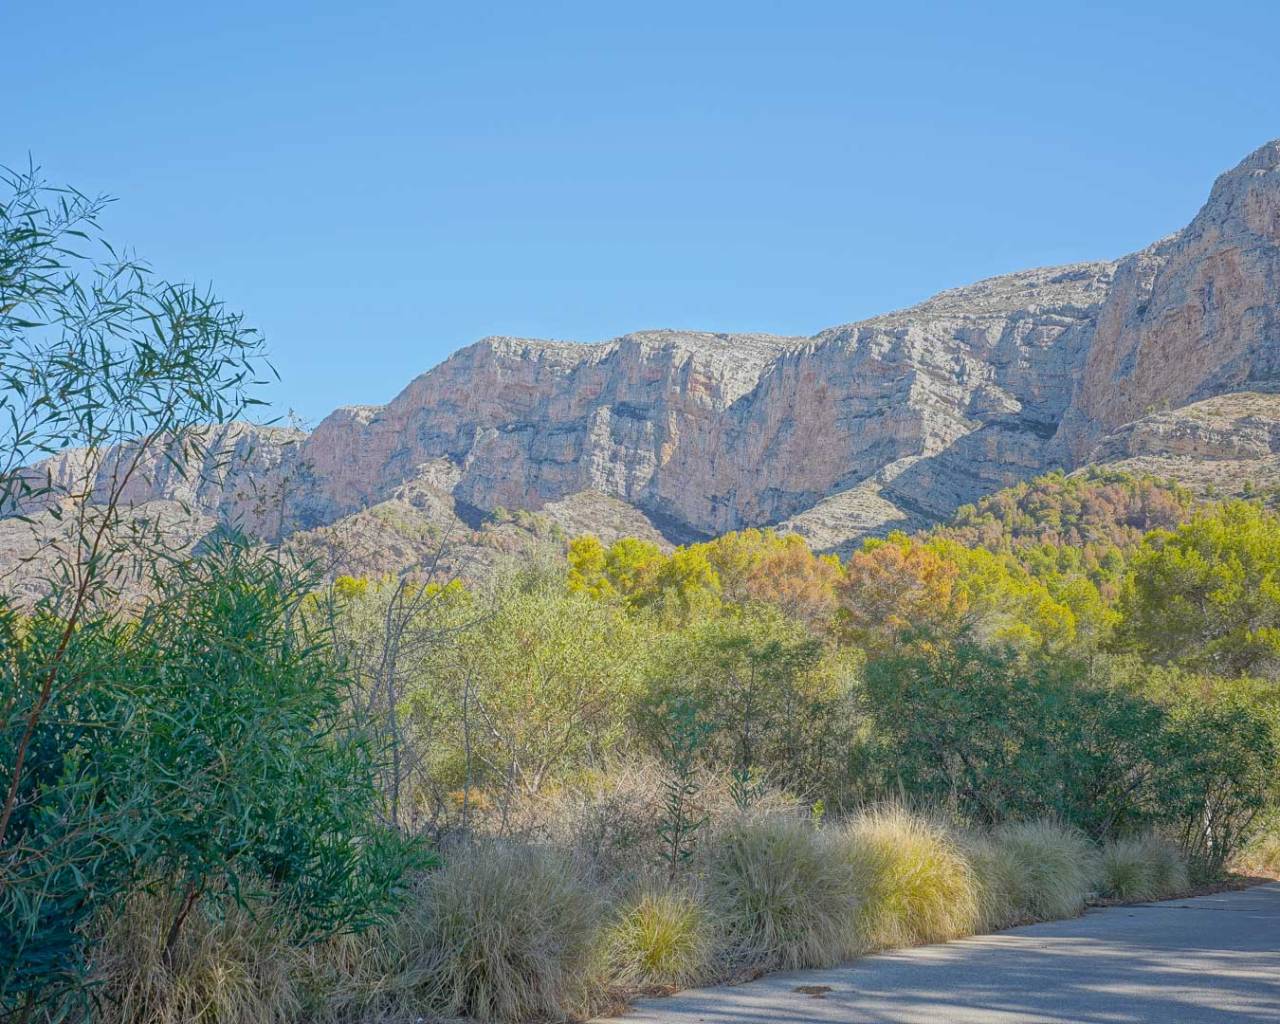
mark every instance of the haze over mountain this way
{"type": "Point", "coordinates": [1163, 361]}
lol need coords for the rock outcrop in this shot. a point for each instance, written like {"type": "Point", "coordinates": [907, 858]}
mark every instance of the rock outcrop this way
{"type": "Point", "coordinates": [886, 423]}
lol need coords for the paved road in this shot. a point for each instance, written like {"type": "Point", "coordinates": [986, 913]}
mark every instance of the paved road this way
{"type": "Point", "coordinates": [1208, 960]}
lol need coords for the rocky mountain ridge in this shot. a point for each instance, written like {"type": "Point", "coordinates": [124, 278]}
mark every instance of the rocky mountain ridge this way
{"type": "Point", "coordinates": [890, 422]}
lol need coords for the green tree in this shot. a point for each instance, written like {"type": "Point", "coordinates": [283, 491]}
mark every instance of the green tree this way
{"type": "Point", "coordinates": [1207, 595]}
{"type": "Point", "coordinates": [539, 685]}
{"type": "Point", "coordinates": [777, 699]}
{"type": "Point", "coordinates": [999, 735]}
{"type": "Point", "coordinates": [120, 374]}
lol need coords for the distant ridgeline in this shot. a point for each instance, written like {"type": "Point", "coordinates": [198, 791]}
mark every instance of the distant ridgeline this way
{"type": "Point", "coordinates": [1163, 363]}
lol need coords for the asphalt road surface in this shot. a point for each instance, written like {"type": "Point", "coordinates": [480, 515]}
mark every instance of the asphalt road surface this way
{"type": "Point", "coordinates": [1192, 961]}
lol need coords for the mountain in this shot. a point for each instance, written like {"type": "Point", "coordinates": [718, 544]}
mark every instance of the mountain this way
{"type": "Point", "coordinates": [1165, 361]}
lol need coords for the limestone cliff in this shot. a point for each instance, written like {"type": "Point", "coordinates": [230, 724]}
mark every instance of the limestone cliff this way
{"type": "Point", "coordinates": [888, 422]}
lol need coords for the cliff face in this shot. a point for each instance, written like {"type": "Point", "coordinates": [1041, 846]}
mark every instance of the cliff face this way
{"type": "Point", "coordinates": [890, 422]}
{"type": "Point", "coordinates": [714, 432]}
{"type": "Point", "coordinates": [1195, 315]}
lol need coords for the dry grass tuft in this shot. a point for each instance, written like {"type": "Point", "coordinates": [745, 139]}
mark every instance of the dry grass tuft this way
{"type": "Point", "coordinates": [915, 882]}
{"type": "Point", "coordinates": [785, 894]}
{"type": "Point", "coordinates": [1142, 868]}
{"type": "Point", "coordinates": [1047, 870]}
{"type": "Point", "coordinates": [237, 968]}
{"type": "Point", "coordinates": [663, 938]}
{"type": "Point", "coordinates": [504, 932]}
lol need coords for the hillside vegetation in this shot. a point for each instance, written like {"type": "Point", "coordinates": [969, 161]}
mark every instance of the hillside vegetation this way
{"type": "Point", "coordinates": [250, 795]}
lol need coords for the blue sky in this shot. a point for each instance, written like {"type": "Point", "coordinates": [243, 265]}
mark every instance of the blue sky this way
{"type": "Point", "coordinates": [378, 184]}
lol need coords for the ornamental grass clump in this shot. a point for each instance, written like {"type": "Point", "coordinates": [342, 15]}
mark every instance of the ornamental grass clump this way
{"type": "Point", "coordinates": [663, 938]}
{"type": "Point", "coordinates": [785, 895]}
{"type": "Point", "coordinates": [1049, 870]}
{"type": "Point", "coordinates": [235, 965]}
{"type": "Point", "coordinates": [504, 932]}
{"type": "Point", "coordinates": [1143, 867]}
{"type": "Point", "coordinates": [915, 884]}
{"type": "Point", "coordinates": [999, 879]}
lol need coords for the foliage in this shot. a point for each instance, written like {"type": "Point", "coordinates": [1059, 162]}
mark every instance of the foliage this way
{"type": "Point", "coordinates": [537, 685]}
{"type": "Point", "coordinates": [996, 735]}
{"type": "Point", "coordinates": [681, 733]}
{"type": "Point", "coordinates": [896, 585]}
{"type": "Point", "coordinates": [781, 571]}
{"type": "Point", "coordinates": [252, 769]}
{"type": "Point", "coordinates": [1084, 523]}
{"type": "Point", "coordinates": [1207, 595]}
{"type": "Point", "coordinates": [1220, 774]}
{"type": "Point", "coordinates": [119, 374]}
{"type": "Point", "coordinates": [776, 700]}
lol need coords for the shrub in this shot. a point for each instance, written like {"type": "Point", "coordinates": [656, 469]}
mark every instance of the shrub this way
{"type": "Point", "coordinates": [915, 883]}
{"type": "Point", "coordinates": [1050, 870]}
{"type": "Point", "coordinates": [786, 895]}
{"type": "Point", "coordinates": [504, 932]}
{"type": "Point", "coordinates": [1141, 868]}
{"type": "Point", "coordinates": [664, 938]}
{"type": "Point", "coordinates": [237, 966]}
{"type": "Point", "coordinates": [1262, 853]}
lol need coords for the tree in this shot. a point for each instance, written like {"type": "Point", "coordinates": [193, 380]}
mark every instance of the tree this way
{"type": "Point", "coordinates": [775, 698]}
{"type": "Point", "coordinates": [537, 686]}
{"type": "Point", "coordinates": [895, 585]}
{"type": "Point", "coordinates": [759, 565]}
{"type": "Point", "coordinates": [997, 735]}
{"type": "Point", "coordinates": [1207, 595]}
{"type": "Point", "coordinates": [117, 374]}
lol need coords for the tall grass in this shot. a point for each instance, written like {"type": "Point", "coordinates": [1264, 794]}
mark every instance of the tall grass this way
{"type": "Point", "coordinates": [239, 967]}
{"type": "Point", "coordinates": [785, 896]}
{"type": "Point", "coordinates": [512, 932]}
{"type": "Point", "coordinates": [1262, 854]}
{"type": "Point", "coordinates": [664, 937]}
{"type": "Point", "coordinates": [916, 885]}
{"type": "Point", "coordinates": [1143, 867]}
{"type": "Point", "coordinates": [1041, 871]}
{"type": "Point", "coordinates": [505, 932]}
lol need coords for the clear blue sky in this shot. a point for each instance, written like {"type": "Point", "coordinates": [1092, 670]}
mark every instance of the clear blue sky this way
{"type": "Point", "coordinates": [378, 184]}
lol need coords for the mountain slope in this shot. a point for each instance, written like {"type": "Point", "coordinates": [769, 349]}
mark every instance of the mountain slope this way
{"type": "Point", "coordinates": [890, 422]}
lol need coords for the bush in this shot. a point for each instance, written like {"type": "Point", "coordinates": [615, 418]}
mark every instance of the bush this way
{"type": "Point", "coordinates": [234, 967]}
{"type": "Point", "coordinates": [1047, 870]}
{"type": "Point", "coordinates": [1262, 853]}
{"type": "Point", "coordinates": [1141, 868]}
{"type": "Point", "coordinates": [915, 883]}
{"type": "Point", "coordinates": [664, 938]}
{"type": "Point", "coordinates": [504, 932]}
{"type": "Point", "coordinates": [786, 894]}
